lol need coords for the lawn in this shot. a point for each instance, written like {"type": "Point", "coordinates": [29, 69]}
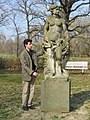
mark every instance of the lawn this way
{"type": "Point", "coordinates": [10, 95]}
{"type": "Point", "coordinates": [11, 89]}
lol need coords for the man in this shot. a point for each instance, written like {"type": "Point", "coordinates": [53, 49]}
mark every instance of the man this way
{"type": "Point", "coordinates": [28, 60]}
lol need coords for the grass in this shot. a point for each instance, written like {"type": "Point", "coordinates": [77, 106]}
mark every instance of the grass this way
{"type": "Point", "coordinates": [11, 90]}
{"type": "Point", "coordinates": [10, 96]}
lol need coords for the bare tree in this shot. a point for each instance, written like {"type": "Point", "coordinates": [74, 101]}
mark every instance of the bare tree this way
{"type": "Point", "coordinates": [27, 9]}
{"type": "Point", "coordinates": [33, 15]}
{"type": "Point", "coordinates": [80, 45]}
{"type": "Point", "coordinates": [3, 13]}
{"type": "Point", "coordinates": [2, 43]}
{"type": "Point", "coordinates": [69, 7]}
{"type": "Point", "coordinates": [13, 19]}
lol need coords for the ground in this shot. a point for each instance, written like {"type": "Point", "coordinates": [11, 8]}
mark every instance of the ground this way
{"type": "Point", "coordinates": [78, 114]}
{"type": "Point", "coordinates": [79, 104]}
{"type": "Point", "coordinates": [10, 99]}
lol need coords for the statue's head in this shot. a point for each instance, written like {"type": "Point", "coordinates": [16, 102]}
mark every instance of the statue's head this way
{"type": "Point", "coordinates": [52, 7]}
{"type": "Point", "coordinates": [55, 9]}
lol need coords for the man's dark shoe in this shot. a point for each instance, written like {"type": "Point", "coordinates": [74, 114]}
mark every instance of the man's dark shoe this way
{"type": "Point", "coordinates": [25, 108]}
{"type": "Point", "coordinates": [31, 106]}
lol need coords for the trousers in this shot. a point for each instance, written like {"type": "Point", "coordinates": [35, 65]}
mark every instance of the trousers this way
{"type": "Point", "coordinates": [28, 91]}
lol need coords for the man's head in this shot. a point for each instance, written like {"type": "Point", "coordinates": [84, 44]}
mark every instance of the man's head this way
{"type": "Point", "coordinates": [27, 43]}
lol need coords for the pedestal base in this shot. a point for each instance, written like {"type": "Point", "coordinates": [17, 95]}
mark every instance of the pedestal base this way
{"type": "Point", "coordinates": [55, 95]}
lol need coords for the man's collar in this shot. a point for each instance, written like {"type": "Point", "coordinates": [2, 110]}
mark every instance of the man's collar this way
{"type": "Point", "coordinates": [27, 49]}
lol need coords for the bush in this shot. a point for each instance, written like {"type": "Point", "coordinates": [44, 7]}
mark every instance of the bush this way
{"type": "Point", "coordinates": [9, 63]}
{"type": "Point", "coordinates": [2, 63]}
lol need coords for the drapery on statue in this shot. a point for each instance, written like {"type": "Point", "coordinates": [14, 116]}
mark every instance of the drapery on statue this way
{"type": "Point", "coordinates": [56, 45]}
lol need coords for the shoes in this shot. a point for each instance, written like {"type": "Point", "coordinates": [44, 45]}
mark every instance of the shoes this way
{"type": "Point", "coordinates": [25, 108]}
{"type": "Point", "coordinates": [31, 106]}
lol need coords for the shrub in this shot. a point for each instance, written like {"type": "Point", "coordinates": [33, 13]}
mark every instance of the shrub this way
{"type": "Point", "coordinates": [2, 63]}
{"type": "Point", "coordinates": [9, 63]}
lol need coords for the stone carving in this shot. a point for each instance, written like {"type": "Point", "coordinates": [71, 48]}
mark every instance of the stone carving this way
{"type": "Point", "coordinates": [55, 44]}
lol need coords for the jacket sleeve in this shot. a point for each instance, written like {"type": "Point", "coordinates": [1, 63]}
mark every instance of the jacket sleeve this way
{"type": "Point", "coordinates": [25, 64]}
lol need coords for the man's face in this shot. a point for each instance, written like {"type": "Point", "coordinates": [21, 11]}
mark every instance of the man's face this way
{"type": "Point", "coordinates": [29, 45]}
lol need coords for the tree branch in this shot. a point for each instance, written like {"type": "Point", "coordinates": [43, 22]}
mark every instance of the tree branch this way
{"type": "Point", "coordinates": [87, 3]}
{"type": "Point", "coordinates": [82, 15]}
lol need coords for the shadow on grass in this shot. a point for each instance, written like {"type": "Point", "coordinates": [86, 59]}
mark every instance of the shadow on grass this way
{"type": "Point", "coordinates": [78, 99]}
{"type": "Point", "coordinates": [37, 105]}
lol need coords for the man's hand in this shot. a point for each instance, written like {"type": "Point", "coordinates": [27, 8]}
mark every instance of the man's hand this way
{"type": "Point", "coordinates": [35, 74]}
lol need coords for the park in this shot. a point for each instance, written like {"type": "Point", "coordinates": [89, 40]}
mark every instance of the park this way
{"type": "Point", "coordinates": [51, 47]}
{"type": "Point", "coordinates": [10, 97]}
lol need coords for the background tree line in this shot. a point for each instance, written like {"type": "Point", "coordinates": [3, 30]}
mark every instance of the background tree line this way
{"type": "Point", "coordinates": [26, 18]}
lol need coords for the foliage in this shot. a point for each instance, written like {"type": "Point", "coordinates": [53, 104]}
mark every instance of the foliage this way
{"type": "Point", "coordinates": [2, 63]}
{"type": "Point", "coordinates": [9, 63]}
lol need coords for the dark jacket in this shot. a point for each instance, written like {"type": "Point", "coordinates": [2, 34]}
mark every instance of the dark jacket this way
{"type": "Point", "coordinates": [28, 67]}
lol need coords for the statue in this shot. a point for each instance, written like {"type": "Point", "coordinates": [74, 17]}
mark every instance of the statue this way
{"type": "Point", "coordinates": [55, 44]}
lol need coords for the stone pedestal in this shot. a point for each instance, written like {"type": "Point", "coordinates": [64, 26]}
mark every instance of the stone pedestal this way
{"type": "Point", "coordinates": [55, 95]}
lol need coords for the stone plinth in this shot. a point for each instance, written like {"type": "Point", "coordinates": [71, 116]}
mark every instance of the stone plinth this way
{"type": "Point", "coordinates": [55, 95]}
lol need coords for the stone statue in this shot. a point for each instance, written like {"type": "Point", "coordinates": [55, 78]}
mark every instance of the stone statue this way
{"type": "Point", "coordinates": [55, 44]}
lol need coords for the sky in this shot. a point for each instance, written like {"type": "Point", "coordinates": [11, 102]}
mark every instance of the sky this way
{"type": "Point", "coordinates": [8, 31]}
{"type": "Point", "coordinates": [82, 9]}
